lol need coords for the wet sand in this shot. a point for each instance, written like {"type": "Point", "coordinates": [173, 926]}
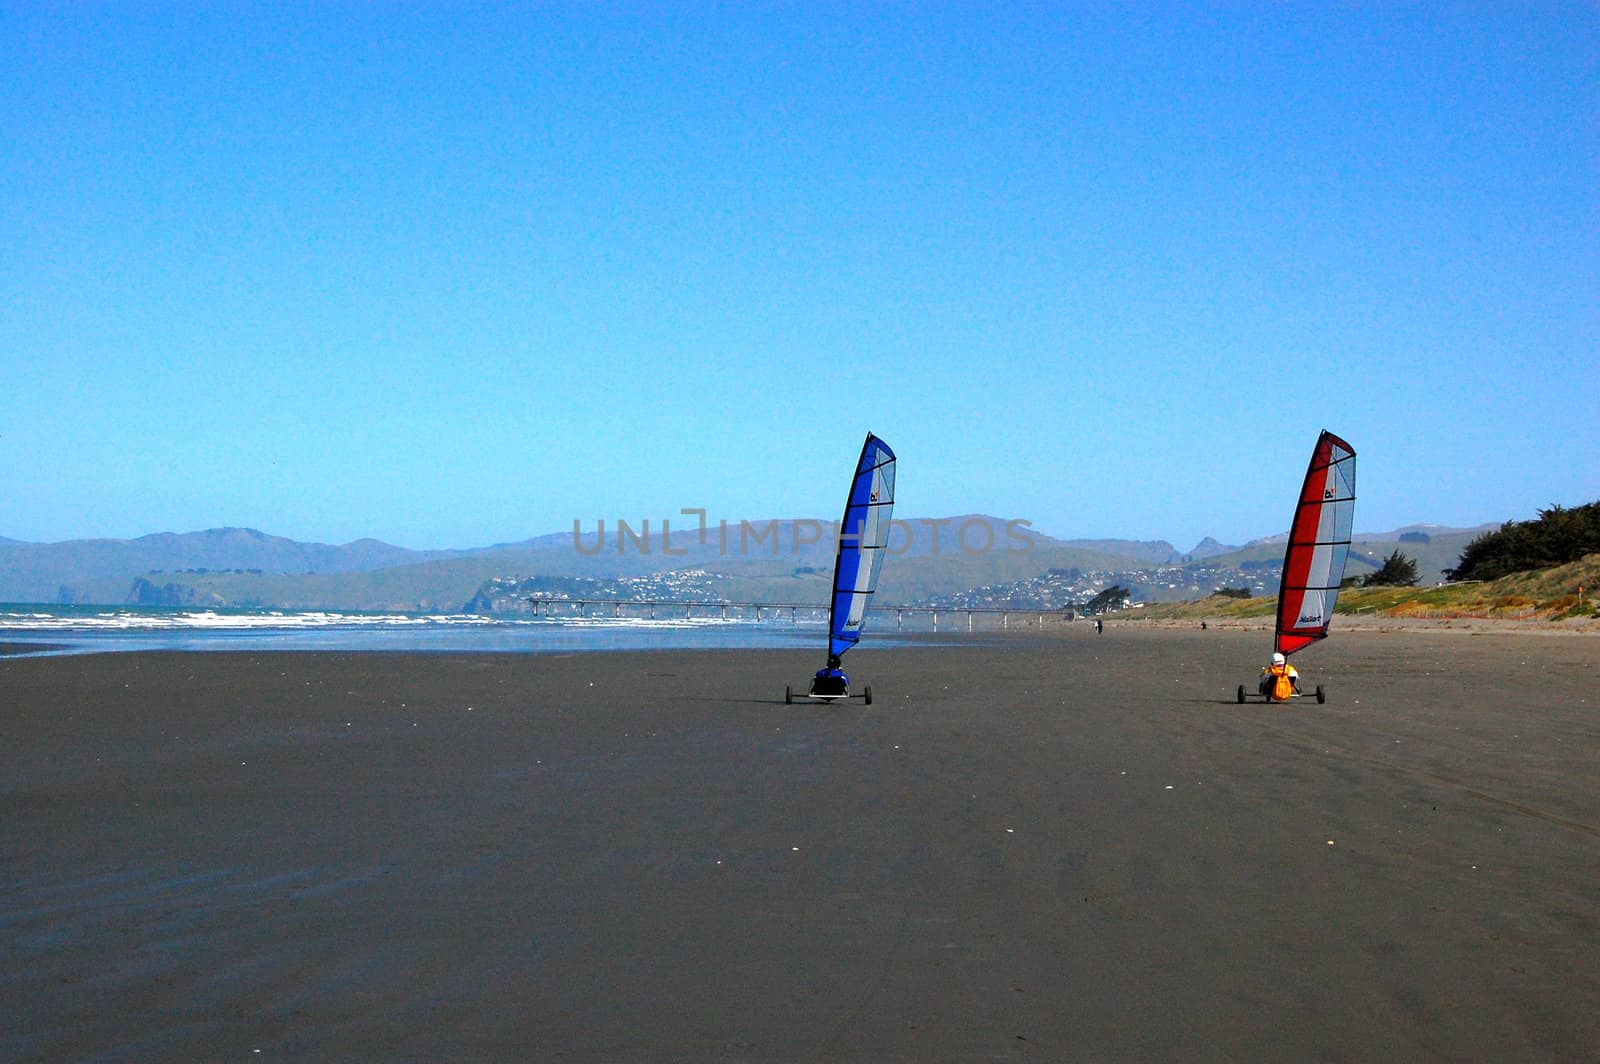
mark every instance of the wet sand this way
{"type": "Point", "coordinates": [1077, 848]}
{"type": "Point", "coordinates": [18, 649]}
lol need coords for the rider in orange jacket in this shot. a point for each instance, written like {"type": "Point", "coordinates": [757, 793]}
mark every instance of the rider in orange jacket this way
{"type": "Point", "coordinates": [1279, 681]}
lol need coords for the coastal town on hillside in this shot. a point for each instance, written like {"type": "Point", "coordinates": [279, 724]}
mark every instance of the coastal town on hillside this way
{"type": "Point", "coordinates": [1059, 589]}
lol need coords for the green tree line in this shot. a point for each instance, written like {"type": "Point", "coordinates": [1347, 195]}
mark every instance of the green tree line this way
{"type": "Point", "coordinates": [1558, 536]}
{"type": "Point", "coordinates": [1397, 571]}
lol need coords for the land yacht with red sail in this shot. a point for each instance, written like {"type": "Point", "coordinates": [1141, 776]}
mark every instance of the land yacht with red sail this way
{"type": "Point", "coordinates": [1313, 564]}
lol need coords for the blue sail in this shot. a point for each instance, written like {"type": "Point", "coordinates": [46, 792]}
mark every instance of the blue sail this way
{"type": "Point", "coordinates": [863, 539]}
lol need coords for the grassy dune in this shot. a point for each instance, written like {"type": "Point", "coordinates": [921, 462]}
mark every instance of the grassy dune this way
{"type": "Point", "coordinates": [1546, 594]}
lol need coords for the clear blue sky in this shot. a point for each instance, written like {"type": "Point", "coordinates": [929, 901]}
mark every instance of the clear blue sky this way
{"type": "Point", "coordinates": [451, 275]}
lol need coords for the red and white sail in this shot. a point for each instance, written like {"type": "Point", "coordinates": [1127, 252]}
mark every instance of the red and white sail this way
{"type": "Point", "coordinates": [1319, 544]}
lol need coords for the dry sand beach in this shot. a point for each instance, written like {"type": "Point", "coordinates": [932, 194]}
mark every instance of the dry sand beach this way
{"type": "Point", "coordinates": [1068, 848]}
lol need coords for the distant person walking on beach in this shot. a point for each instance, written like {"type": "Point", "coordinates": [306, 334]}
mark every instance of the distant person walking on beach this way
{"type": "Point", "coordinates": [1099, 626]}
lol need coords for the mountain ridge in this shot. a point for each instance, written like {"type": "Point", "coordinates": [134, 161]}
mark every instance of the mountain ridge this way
{"type": "Point", "coordinates": [240, 566]}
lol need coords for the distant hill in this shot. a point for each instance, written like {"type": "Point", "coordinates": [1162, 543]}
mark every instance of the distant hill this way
{"type": "Point", "coordinates": [88, 570]}
{"type": "Point", "coordinates": [1209, 548]}
{"type": "Point", "coordinates": [971, 557]}
{"type": "Point", "coordinates": [1433, 547]}
{"type": "Point", "coordinates": [1157, 551]}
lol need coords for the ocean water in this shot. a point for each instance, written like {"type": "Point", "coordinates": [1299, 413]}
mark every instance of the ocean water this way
{"type": "Point", "coordinates": [101, 629]}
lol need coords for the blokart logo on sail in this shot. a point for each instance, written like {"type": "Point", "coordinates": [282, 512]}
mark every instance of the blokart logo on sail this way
{"type": "Point", "coordinates": [972, 535]}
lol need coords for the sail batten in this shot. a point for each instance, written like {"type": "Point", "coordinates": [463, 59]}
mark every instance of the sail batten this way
{"type": "Point", "coordinates": [863, 537]}
{"type": "Point", "coordinates": [1319, 545]}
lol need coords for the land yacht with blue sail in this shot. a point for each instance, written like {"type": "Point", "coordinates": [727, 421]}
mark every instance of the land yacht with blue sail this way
{"type": "Point", "coordinates": [863, 543]}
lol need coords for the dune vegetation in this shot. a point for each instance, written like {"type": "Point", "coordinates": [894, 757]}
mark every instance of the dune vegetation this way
{"type": "Point", "coordinates": [1557, 593]}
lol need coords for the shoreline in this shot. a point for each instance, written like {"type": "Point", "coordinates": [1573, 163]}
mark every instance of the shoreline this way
{"type": "Point", "coordinates": [23, 649]}
{"type": "Point", "coordinates": [775, 637]}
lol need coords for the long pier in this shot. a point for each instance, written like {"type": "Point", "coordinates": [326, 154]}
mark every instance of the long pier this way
{"type": "Point", "coordinates": [761, 611]}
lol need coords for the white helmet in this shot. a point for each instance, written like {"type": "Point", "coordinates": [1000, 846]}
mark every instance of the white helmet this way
{"type": "Point", "coordinates": [1277, 658]}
